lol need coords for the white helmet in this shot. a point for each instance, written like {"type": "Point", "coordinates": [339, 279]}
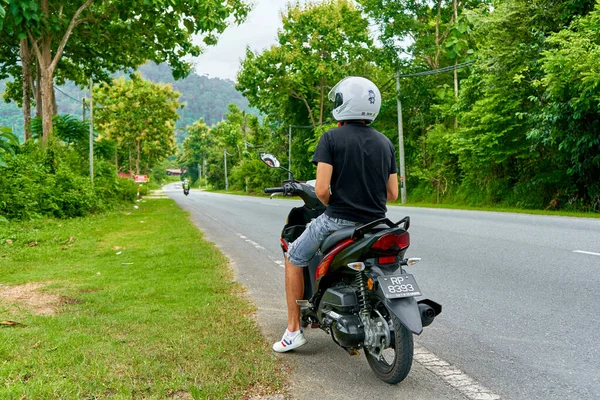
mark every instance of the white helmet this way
{"type": "Point", "coordinates": [355, 98]}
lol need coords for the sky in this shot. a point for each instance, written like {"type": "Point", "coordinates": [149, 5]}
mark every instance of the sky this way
{"type": "Point", "coordinates": [259, 32]}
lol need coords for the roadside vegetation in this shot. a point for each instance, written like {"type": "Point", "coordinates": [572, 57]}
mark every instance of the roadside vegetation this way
{"type": "Point", "coordinates": [515, 125]}
{"type": "Point", "coordinates": [127, 304]}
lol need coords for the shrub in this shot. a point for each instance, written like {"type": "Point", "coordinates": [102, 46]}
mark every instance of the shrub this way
{"type": "Point", "coordinates": [55, 183]}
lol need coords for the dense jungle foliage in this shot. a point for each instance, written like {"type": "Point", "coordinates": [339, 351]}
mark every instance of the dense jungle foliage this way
{"type": "Point", "coordinates": [517, 126]}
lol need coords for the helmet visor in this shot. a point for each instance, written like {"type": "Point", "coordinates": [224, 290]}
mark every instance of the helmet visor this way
{"type": "Point", "coordinates": [332, 93]}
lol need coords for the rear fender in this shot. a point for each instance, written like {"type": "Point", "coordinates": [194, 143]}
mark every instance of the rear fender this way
{"type": "Point", "coordinates": [407, 311]}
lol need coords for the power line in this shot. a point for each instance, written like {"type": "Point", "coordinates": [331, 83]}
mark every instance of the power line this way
{"type": "Point", "coordinates": [430, 72]}
{"type": "Point", "coordinates": [439, 70]}
{"type": "Point", "coordinates": [72, 98]}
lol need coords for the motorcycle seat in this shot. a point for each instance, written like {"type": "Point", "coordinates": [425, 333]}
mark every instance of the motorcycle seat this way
{"type": "Point", "coordinates": [330, 241]}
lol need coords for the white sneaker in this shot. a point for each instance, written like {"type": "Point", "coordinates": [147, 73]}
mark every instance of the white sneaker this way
{"type": "Point", "coordinates": [288, 343]}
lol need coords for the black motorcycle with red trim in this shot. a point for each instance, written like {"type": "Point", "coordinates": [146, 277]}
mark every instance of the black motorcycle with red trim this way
{"type": "Point", "coordinates": [356, 287]}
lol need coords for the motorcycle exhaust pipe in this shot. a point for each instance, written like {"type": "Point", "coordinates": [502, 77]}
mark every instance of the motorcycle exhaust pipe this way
{"type": "Point", "coordinates": [427, 314]}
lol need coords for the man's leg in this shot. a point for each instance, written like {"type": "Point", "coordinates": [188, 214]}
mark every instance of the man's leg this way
{"type": "Point", "coordinates": [294, 290]}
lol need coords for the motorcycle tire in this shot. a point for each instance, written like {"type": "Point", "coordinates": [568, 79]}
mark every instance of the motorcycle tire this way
{"type": "Point", "coordinates": [395, 366]}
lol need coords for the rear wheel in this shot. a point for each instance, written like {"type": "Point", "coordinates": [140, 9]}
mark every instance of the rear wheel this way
{"type": "Point", "coordinates": [395, 362]}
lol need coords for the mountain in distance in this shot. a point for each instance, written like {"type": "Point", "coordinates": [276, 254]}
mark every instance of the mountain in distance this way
{"type": "Point", "coordinates": [204, 97]}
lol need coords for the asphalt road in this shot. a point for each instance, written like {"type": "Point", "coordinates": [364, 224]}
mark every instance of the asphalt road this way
{"type": "Point", "coordinates": [520, 296]}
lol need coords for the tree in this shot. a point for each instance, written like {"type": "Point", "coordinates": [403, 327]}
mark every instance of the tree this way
{"type": "Point", "coordinates": [197, 147]}
{"type": "Point", "coordinates": [570, 118]}
{"type": "Point", "coordinates": [110, 35]}
{"type": "Point", "coordinates": [140, 117]}
{"type": "Point", "coordinates": [318, 45]}
{"type": "Point", "coordinates": [500, 104]}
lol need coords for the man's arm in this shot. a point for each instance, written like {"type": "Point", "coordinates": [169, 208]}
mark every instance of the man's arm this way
{"type": "Point", "coordinates": [392, 187]}
{"type": "Point", "coordinates": [324, 172]}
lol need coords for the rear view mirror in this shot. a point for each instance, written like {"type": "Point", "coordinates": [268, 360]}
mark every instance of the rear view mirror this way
{"type": "Point", "coordinates": [270, 160]}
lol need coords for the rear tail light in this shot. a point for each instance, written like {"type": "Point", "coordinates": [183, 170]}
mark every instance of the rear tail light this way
{"type": "Point", "coordinates": [392, 242]}
{"type": "Point", "coordinates": [387, 260]}
{"type": "Point", "coordinates": [326, 261]}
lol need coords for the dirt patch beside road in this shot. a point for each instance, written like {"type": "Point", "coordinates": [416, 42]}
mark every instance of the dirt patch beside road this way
{"type": "Point", "coordinates": [28, 296]}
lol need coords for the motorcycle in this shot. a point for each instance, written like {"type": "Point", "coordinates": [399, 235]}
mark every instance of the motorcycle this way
{"type": "Point", "coordinates": [356, 287]}
{"type": "Point", "coordinates": [186, 189]}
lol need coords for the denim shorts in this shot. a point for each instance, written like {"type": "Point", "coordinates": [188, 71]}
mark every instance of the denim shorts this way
{"type": "Point", "coordinates": [303, 249]}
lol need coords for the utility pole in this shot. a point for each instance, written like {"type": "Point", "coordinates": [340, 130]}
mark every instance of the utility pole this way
{"type": "Point", "coordinates": [92, 131]}
{"type": "Point", "coordinates": [226, 181]}
{"type": "Point", "coordinates": [290, 155]}
{"type": "Point", "coordinates": [225, 154]}
{"type": "Point", "coordinates": [400, 141]}
{"type": "Point", "coordinates": [205, 179]}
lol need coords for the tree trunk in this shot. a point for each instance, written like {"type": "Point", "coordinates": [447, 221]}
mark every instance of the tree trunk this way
{"type": "Point", "coordinates": [54, 104]}
{"type": "Point", "coordinates": [47, 65]}
{"type": "Point", "coordinates": [26, 66]}
{"type": "Point", "coordinates": [46, 106]}
{"type": "Point", "coordinates": [38, 90]}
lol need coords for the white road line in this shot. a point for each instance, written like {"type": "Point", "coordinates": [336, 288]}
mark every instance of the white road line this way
{"type": "Point", "coordinates": [210, 216]}
{"type": "Point", "coordinates": [253, 243]}
{"type": "Point", "coordinates": [453, 376]}
{"type": "Point", "coordinates": [586, 252]}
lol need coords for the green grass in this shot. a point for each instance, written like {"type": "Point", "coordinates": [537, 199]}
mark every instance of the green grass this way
{"type": "Point", "coordinates": [501, 209]}
{"type": "Point", "coordinates": [162, 319]}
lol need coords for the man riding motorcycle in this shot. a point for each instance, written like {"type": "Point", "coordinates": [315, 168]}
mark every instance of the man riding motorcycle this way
{"type": "Point", "coordinates": [356, 175]}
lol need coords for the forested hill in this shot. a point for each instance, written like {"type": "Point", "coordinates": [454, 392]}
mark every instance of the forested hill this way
{"type": "Point", "coordinates": [204, 97]}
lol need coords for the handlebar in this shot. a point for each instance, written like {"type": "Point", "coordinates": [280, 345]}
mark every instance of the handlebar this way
{"type": "Point", "coordinates": [274, 190]}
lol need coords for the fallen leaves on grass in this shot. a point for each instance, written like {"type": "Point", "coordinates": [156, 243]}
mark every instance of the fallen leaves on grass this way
{"type": "Point", "coordinates": [32, 244]}
{"type": "Point", "coordinates": [8, 241]}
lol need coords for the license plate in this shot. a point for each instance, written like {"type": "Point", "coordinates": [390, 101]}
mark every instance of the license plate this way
{"type": "Point", "coordinates": [394, 287]}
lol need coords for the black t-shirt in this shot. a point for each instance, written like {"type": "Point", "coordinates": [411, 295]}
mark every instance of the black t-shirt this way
{"type": "Point", "coordinates": [363, 160]}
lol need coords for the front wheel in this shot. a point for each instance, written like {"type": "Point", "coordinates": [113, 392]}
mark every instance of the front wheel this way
{"type": "Point", "coordinates": [394, 362]}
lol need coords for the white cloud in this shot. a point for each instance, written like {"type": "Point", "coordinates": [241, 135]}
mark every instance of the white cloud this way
{"type": "Point", "coordinates": [259, 32]}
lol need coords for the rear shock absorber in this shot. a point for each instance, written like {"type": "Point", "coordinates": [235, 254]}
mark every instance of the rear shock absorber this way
{"type": "Point", "coordinates": [362, 293]}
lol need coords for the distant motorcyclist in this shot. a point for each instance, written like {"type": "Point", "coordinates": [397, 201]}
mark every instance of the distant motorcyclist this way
{"type": "Point", "coordinates": [186, 187]}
